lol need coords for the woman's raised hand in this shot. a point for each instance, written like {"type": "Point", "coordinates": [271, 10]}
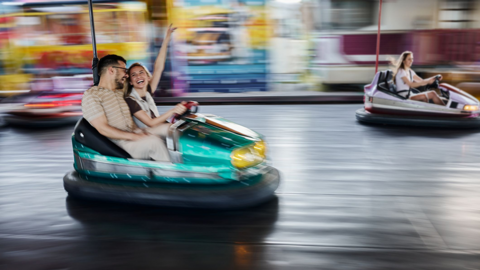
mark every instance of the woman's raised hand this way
{"type": "Point", "coordinates": [170, 30]}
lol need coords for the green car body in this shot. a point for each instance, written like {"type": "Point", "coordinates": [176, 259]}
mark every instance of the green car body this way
{"type": "Point", "coordinates": [203, 151]}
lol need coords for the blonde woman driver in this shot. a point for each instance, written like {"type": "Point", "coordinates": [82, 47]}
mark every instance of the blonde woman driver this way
{"type": "Point", "coordinates": [139, 91]}
{"type": "Point", "coordinates": [405, 79]}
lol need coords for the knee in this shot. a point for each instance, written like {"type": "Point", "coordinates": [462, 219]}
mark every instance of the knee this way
{"type": "Point", "coordinates": [155, 142]}
{"type": "Point", "coordinates": [161, 130]}
{"type": "Point", "coordinates": [423, 98]}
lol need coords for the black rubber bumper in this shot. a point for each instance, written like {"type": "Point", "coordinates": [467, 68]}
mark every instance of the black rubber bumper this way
{"type": "Point", "coordinates": [37, 122]}
{"type": "Point", "coordinates": [439, 122]}
{"type": "Point", "coordinates": [226, 196]}
{"type": "Point", "coordinates": [2, 121]}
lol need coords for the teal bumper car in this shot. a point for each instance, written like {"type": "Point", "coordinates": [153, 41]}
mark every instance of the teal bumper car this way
{"type": "Point", "coordinates": [215, 164]}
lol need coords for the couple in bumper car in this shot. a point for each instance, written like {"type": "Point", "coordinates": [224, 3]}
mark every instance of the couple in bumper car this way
{"type": "Point", "coordinates": [206, 161]}
{"type": "Point", "coordinates": [122, 109]}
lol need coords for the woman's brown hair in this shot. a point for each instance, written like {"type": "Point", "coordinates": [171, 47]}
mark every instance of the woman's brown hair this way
{"type": "Point", "coordinates": [399, 63]}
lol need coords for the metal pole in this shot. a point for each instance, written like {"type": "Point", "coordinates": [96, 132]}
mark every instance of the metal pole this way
{"type": "Point", "coordinates": [378, 34]}
{"type": "Point", "coordinates": [94, 45]}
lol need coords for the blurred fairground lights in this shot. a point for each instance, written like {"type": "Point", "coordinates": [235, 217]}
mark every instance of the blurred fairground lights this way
{"type": "Point", "coordinates": [240, 45]}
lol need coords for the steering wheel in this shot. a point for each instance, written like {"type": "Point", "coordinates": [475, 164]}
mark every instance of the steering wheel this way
{"type": "Point", "coordinates": [435, 84]}
{"type": "Point", "coordinates": [437, 81]}
{"type": "Point", "coordinates": [445, 93]}
{"type": "Point", "coordinates": [192, 107]}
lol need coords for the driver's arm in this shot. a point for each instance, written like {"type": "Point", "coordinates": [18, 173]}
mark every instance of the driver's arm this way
{"type": "Point", "coordinates": [429, 80]}
{"type": "Point", "coordinates": [147, 120]}
{"type": "Point", "coordinates": [415, 83]}
{"type": "Point", "coordinates": [417, 78]}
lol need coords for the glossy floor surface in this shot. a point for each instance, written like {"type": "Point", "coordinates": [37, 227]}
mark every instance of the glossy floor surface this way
{"type": "Point", "coordinates": [352, 197]}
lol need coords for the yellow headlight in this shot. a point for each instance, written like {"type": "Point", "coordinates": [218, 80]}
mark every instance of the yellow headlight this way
{"type": "Point", "coordinates": [246, 157]}
{"type": "Point", "coordinates": [261, 148]}
{"type": "Point", "coordinates": [470, 108]}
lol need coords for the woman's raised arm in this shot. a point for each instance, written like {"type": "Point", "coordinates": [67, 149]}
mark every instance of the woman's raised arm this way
{"type": "Point", "coordinates": [160, 61]}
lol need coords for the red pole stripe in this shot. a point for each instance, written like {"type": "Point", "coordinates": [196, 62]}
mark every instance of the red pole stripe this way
{"type": "Point", "coordinates": [378, 34]}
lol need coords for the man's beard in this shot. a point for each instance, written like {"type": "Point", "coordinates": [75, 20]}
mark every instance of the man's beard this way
{"type": "Point", "coordinates": [119, 83]}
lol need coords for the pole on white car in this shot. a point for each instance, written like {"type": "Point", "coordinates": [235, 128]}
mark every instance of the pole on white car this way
{"type": "Point", "coordinates": [94, 45]}
{"type": "Point", "coordinates": [378, 34]}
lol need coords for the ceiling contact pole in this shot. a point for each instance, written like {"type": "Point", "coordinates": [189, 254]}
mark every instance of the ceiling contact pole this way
{"type": "Point", "coordinates": [378, 35]}
{"type": "Point", "coordinates": [94, 45]}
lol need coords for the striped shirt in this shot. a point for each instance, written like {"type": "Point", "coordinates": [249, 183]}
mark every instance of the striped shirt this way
{"type": "Point", "coordinates": [98, 101]}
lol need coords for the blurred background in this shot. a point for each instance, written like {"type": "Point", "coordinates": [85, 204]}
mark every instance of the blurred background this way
{"type": "Point", "coordinates": [352, 196]}
{"type": "Point", "coordinates": [238, 46]}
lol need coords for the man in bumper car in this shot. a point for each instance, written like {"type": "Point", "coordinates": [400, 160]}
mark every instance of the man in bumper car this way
{"type": "Point", "coordinates": [104, 107]}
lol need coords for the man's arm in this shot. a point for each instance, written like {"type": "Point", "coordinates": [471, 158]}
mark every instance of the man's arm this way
{"type": "Point", "coordinates": [101, 125]}
{"type": "Point", "coordinates": [93, 111]}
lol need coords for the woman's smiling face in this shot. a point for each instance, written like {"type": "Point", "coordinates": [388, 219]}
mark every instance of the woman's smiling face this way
{"type": "Point", "coordinates": [138, 77]}
{"type": "Point", "coordinates": [408, 61]}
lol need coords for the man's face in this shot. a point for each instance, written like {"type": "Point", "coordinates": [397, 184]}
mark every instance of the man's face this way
{"type": "Point", "coordinates": [120, 75]}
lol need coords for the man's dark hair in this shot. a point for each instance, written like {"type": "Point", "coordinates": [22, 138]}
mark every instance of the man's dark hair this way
{"type": "Point", "coordinates": [109, 60]}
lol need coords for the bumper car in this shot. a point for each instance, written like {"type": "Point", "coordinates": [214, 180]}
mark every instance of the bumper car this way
{"type": "Point", "coordinates": [383, 105]}
{"type": "Point", "coordinates": [2, 120]}
{"type": "Point", "coordinates": [43, 109]}
{"type": "Point", "coordinates": [51, 102]}
{"type": "Point", "coordinates": [216, 164]}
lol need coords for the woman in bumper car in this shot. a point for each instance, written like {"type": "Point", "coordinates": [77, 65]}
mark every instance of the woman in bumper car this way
{"type": "Point", "coordinates": [406, 79]}
{"type": "Point", "coordinates": [140, 89]}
